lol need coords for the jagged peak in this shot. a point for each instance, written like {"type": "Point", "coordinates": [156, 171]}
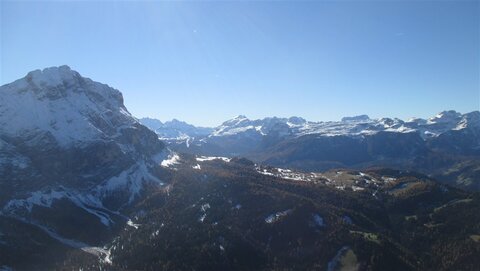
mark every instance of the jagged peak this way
{"type": "Point", "coordinates": [236, 120]}
{"type": "Point", "coordinates": [53, 76]}
{"type": "Point", "coordinates": [62, 71]}
{"type": "Point", "coordinates": [240, 117]}
{"type": "Point", "coordinates": [175, 123]}
{"type": "Point", "coordinates": [445, 115]}
{"type": "Point", "coordinates": [296, 120]}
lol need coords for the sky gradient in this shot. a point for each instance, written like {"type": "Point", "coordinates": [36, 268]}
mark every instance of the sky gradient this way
{"type": "Point", "coordinates": [205, 62]}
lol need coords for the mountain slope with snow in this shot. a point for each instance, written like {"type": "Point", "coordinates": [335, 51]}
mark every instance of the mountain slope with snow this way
{"type": "Point", "coordinates": [70, 152]}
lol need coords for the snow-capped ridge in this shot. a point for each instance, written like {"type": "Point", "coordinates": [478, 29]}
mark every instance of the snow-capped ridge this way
{"type": "Point", "coordinates": [235, 121]}
{"type": "Point", "coordinates": [447, 116]}
{"type": "Point", "coordinates": [357, 126]}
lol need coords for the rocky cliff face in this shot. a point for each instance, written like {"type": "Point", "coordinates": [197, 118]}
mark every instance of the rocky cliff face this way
{"type": "Point", "coordinates": [70, 152]}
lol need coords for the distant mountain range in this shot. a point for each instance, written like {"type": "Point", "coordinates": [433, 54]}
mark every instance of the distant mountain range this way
{"type": "Point", "coordinates": [175, 129]}
{"type": "Point", "coordinates": [446, 146]}
{"type": "Point", "coordinates": [296, 126]}
{"type": "Point", "coordinates": [85, 186]}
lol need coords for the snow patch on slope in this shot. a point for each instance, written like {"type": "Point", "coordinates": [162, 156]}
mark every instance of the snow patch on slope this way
{"type": "Point", "coordinates": [131, 180]}
{"type": "Point", "coordinates": [47, 198]}
{"type": "Point", "coordinates": [172, 160]}
{"type": "Point", "coordinates": [277, 216]}
{"type": "Point", "coordinates": [212, 158]}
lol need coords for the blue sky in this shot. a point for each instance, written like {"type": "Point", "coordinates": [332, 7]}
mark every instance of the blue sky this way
{"type": "Point", "coordinates": [205, 62]}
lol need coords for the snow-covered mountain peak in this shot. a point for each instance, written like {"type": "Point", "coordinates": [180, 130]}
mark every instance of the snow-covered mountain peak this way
{"type": "Point", "coordinates": [53, 76]}
{"type": "Point", "coordinates": [66, 140]}
{"type": "Point", "coordinates": [296, 121]}
{"type": "Point", "coordinates": [235, 121]}
{"type": "Point", "coordinates": [59, 82]}
{"type": "Point", "coordinates": [239, 118]}
{"type": "Point", "coordinates": [59, 102]}
{"type": "Point", "coordinates": [446, 117]}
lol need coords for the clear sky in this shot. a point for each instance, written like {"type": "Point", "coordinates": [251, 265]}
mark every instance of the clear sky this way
{"type": "Point", "coordinates": [205, 62]}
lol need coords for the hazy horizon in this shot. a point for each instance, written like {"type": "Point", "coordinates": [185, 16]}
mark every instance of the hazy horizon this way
{"type": "Point", "coordinates": [206, 62]}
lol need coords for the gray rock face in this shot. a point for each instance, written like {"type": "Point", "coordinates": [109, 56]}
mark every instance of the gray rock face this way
{"type": "Point", "coordinates": [69, 142]}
